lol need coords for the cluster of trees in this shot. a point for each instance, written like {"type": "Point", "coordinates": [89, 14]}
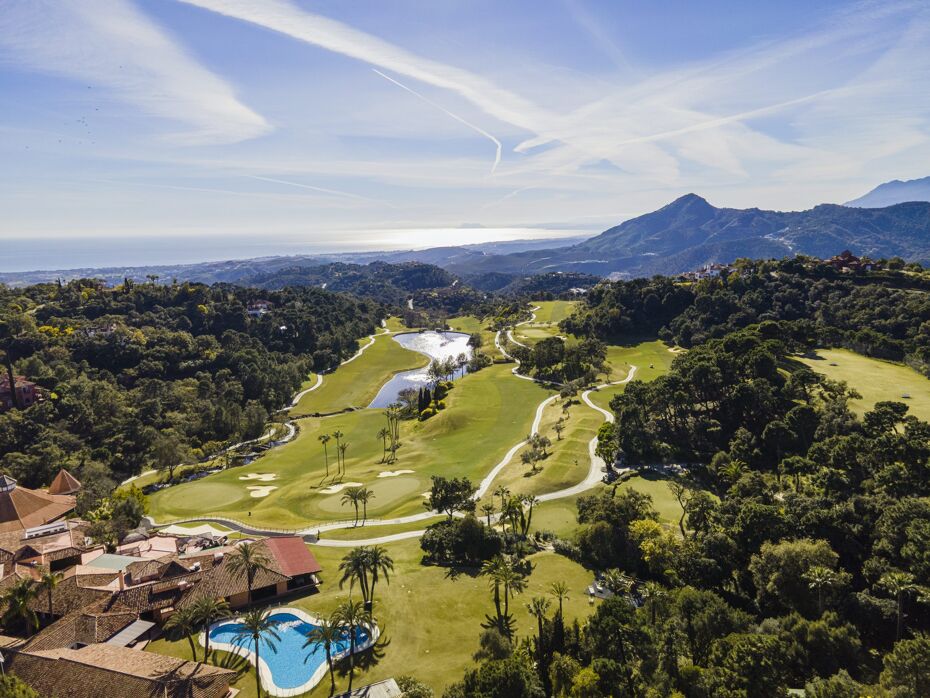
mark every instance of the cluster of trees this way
{"type": "Point", "coordinates": [555, 360]}
{"type": "Point", "coordinates": [884, 313]}
{"type": "Point", "coordinates": [144, 375]}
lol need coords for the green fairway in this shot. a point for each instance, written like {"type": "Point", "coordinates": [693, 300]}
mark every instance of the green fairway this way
{"type": "Point", "coordinates": [876, 380]}
{"type": "Point", "coordinates": [430, 622]}
{"type": "Point", "coordinates": [472, 324]}
{"type": "Point", "coordinates": [356, 383]}
{"type": "Point", "coordinates": [652, 359]}
{"type": "Point", "coordinates": [553, 311]}
{"type": "Point", "coordinates": [487, 413]}
{"type": "Point", "coordinates": [568, 460]}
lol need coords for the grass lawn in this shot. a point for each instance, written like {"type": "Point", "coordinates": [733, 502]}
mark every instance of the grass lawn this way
{"type": "Point", "coordinates": [559, 515]}
{"type": "Point", "coordinates": [876, 380]}
{"type": "Point", "coordinates": [568, 460]}
{"type": "Point", "coordinates": [651, 358]}
{"type": "Point", "coordinates": [553, 311]}
{"type": "Point", "coordinates": [356, 383]}
{"type": "Point", "coordinates": [472, 324]}
{"type": "Point", "coordinates": [487, 413]}
{"type": "Point", "coordinates": [365, 532]}
{"type": "Point", "coordinates": [430, 622]}
{"type": "Point", "coordinates": [663, 500]}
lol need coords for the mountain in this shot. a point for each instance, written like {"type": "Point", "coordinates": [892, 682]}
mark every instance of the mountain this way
{"type": "Point", "coordinates": [894, 192]}
{"type": "Point", "coordinates": [690, 232]}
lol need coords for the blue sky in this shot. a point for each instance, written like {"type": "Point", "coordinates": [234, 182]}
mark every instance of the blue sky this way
{"type": "Point", "coordinates": [390, 123]}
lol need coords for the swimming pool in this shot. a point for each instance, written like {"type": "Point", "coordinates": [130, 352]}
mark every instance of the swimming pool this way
{"type": "Point", "coordinates": [289, 669]}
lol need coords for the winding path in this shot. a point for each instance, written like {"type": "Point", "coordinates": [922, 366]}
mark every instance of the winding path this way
{"type": "Point", "coordinates": [312, 533]}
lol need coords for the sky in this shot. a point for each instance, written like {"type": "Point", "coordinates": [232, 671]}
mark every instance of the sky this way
{"type": "Point", "coordinates": [347, 124]}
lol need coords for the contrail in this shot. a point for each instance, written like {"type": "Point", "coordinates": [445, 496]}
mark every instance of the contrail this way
{"type": "Point", "coordinates": [322, 190]}
{"type": "Point", "coordinates": [497, 156]}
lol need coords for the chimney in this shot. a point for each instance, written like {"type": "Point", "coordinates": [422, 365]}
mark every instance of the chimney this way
{"type": "Point", "coordinates": [122, 582]}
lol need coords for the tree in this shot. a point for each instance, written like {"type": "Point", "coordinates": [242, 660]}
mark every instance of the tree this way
{"type": "Point", "coordinates": [248, 560]}
{"type": "Point", "coordinates": [365, 495]}
{"type": "Point", "coordinates": [343, 447]}
{"type": "Point", "coordinates": [338, 435]}
{"type": "Point", "coordinates": [352, 615]}
{"type": "Point", "coordinates": [206, 610]}
{"type": "Point", "coordinates": [412, 688]}
{"type": "Point", "coordinates": [12, 687]}
{"type": "Point", "coordinates": [652, 593]}
{"type": "Point", "coordinates": [383, 434]}
{"type": "Point", "coordinates": [906, 669]}
{"type": "Point", "coordinates": [450, 496]}
{"type": "Point", "coordinates": [899, 585]}
{"type": "Point", "coordinates": [821, 580]}
{"type": "Point", "coordinates": [682, 493]}
{"type": "Point", "coordinates": [560, 591]}
{"type": "Point", "coordinates": [538, 608]}
{"type": "Point", "coordinates": [168, 452]}
{"type": "Point", "coordinates": [257, 625]}
{"type": "Point", "coordinates": [324, 439]}
{"type": "Point", "coordinates": [352, 495]}
{"type": "Point", "coordinates": [559, 427]}
{"type": "Point", "coordinates": [47, 582]}
{"type": "Point", "coordinates": [487, 509]}
{"type": "Point", "coordinates": [17, 600]}
{"type": "Point", "coordinates": [379, 563]}
{"type": "Point", "coordinates": [327, 633]}
{"type": "Point", "coordinates": [778, 573]}
{"type": "Point", "coordinates": [183, 623]}
{"type": "Point", "coordinates": [355, 568]}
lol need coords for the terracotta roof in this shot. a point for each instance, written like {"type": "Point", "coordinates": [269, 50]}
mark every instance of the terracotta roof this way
{"type": "Point", "coordinates": [73, 593]}
{"type": "Point", "coordinates": [64, 483]}
{"type": "Point", "coordinates": [219, 580]}
{"type": "Point", "coordinates": [83, 673]}
{"type": "Point", "coordinates": [84, 626]}
{"type": "Point", "coordinates": [293, 556]}
{"type": "Point", "coordinates": [22, 508]}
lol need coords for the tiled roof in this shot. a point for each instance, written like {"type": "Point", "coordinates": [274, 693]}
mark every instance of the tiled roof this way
{"type": "Point", "coordinates": [84, 626]}
{"type": "Point", "coordinates": [101, 669]}
{"type": "Point", "coordinates": [293, 556]}
{"type": "Point", "coordinates": [73, 593]}
{"type": "Point", "coordinates": [22, 508]}
{"type": "Point", "coordinates": [64, 483]}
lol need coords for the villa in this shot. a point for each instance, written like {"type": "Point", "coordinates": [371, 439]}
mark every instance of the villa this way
{"type": "Point", "coordinates": [26, 393]}
{"type": "Point", "coordinates": [22, 508]}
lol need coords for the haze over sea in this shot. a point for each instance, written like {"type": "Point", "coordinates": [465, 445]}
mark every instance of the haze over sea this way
{"type": "Point", "coordinates": [29, 254]}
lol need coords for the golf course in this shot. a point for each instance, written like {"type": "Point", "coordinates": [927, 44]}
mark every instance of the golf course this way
{"type": "Point", "coordinates": [427, 617]}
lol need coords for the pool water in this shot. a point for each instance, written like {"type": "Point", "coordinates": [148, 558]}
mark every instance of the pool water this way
{"type": "Point", "coordinates": [436, 345]}
{"type": "Point", "coordinates": [291, 664]}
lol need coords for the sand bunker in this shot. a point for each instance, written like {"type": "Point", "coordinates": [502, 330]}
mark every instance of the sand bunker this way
{"type": "Point", "coordinates": [264, 477]}
{"type": "Point", "coordinates": [677, 350]}
{"type": "Point", "coordinates": [393, 473]}
{"type": "Point", "coordinates": [261, 490]}
{"type": "Point", "coordinates": [333, 489]}
{"type": "Point", "coordinates": [427, 495]}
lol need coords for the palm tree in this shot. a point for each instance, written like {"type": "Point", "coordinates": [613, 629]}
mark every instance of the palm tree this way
{"type": "Point", "coordinates": [899, 585]}
{"type": "Point", "coordinates": [490, 569]}
{"type": "Point", "coordinates": [560, 591]}
{"type": "Point", "coordinates": [530, 501]}
{"type": "Point", "coordinates": [248, 560]}
{"type": "Point", "coordinates": [820, 579]}
{"type": "Point", "coordinates": [337, 435]}
{"type": "Point", "coordinates": [618, 582]}
{"type": "Point", "coordinates": [183, 623]}
{"type": "Point", "coordinates": [342, 451]}
{"type": "Point", "coordinates": [351, 496]}
{"type": "Point", "coordinates": [354, 568]}
{"type": "Point", "coordinates": [327, 633]}
{"type": "Point", "coordinates": [324, 439]}
{"type": "Point", "coordinates": [503, 493]}
{"type": "Point", "coordinates": [48, 580]}
{"type": "Point", "coordinates": [205, 611]}
{"type": "Point", "coordinates": [487, 509]}
{"type": "Point", "coordinates": [364, 496]}
{"type": "Point", "coordinates": [383, 435]}
{"type": "Point", "coordinates": [257, 625]}
{"type": "Point", "coordinates": [652, 593]}
{"type": "Point", "coordinates": [512, 580]}
{"type": "Point", "coordinates": [538, 608]}
{"type": "Point", "coordinates": [379, 563]}
{"type": "Point", "coordinates": [18, 599]}
{"type": "Point", "coordinates": [352, 615]}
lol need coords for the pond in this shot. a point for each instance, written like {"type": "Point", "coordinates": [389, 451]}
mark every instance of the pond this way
{"type": "Point", "coordinates": [287, 668]}
{"type": "Point", "coordinates": [436, 345]}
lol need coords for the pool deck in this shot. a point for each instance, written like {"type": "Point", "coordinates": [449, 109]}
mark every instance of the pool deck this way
{"type": "Point", "coordinates": [264, 672]}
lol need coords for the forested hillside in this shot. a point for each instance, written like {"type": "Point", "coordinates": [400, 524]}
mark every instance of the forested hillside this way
{"type": "Point", "coordinates": [800, 560]}
{"type": "Point", "coordinates": [144, 375]}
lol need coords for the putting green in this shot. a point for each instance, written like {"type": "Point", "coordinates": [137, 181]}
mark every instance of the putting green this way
{"type": "Point", "coordinates": [876, 380]}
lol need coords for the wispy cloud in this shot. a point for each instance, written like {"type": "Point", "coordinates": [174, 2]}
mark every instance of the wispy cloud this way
{"type": "Point", "coordinates": [110, 44]}
{"type": "Point", "coordinates": [322, 190]}
{"type": "Point", "coordinates": [478, 129]}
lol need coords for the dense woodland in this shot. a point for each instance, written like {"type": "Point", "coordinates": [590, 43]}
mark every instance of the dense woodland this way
{"type": "Point", "coordinates": [802, 559]}
{"type": "Point", "coordinates": [148, 375]}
